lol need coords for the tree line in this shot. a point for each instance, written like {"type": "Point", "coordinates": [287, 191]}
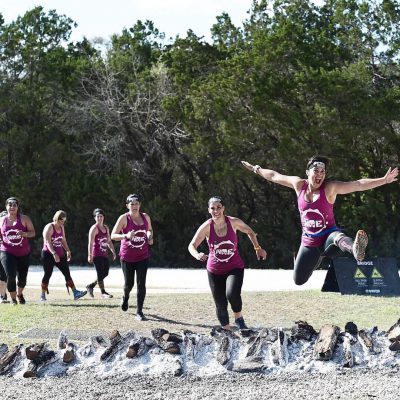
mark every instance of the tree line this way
{"type": "Point", "coordinates": [83, 124]}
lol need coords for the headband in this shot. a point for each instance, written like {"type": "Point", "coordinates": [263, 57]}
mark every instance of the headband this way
{"type": "Point", "coordinates": [317, 164]}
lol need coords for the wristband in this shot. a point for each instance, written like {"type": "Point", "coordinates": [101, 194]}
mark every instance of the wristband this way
{"type": "Point", "coordinates": [256, 168]}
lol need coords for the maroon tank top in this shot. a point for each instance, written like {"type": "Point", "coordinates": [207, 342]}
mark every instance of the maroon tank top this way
{"type": "Point", "coordinates": [100, 243]}
{"type": "Point", "coordinates": [13, 242]}
{"type": "Point", "coordinates": [56, 241]}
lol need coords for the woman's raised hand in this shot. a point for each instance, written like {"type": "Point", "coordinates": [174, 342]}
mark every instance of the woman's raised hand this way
{"type": "Point", "coordinates": [391, 175]}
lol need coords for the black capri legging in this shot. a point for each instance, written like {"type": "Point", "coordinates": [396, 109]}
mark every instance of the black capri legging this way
{"type": "Point", "coordinates": [3, 276]}
{"type": "Point", "coordinates": [15, 267]}
{"type": "Point", "coordinates": [48, 263]}
{"type": "Point", "coordinates": [102, 265]}
{"type": "Point", "coordinates": [309, 258]}
{"type": "Point", "coordinates": [129, 269]}
{"type": "Point", "coordinates": [224, 288]}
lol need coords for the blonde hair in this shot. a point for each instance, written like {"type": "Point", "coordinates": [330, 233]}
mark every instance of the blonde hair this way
{"type": "Point", "coordinates": [60, 214]}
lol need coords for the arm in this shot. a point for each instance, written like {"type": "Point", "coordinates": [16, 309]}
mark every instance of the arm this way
{"type": "Point", "coordinates": [119, 225]}
{"type": "Point", "coordinates": [66, 247]}
{"type": "Point", "coordinates": [111, 245]}
{"type": "Point", "coordinates": [239, 225]}
{"type": "Point", "coordinates": [92, 235]}
{"type": "Point", "coordinates": [200, 235]}
{"type": "Point", "coordinates": [30, 233]}
{"type": "Point", "coordinates": [337, 187]}
{"type": "Point", "coordinates": [293, 182]}
{"type": "Point", "coordinates": [150, 232]}
{"type": "Point", "coordinates": [47, 232]}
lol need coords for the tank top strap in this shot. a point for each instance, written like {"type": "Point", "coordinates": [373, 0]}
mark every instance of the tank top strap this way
{"type": "Point", "coordinates": [229, 226]}
{"type": "Point", "coordinates": [303, 188]}
{"type": "Point", "coordinates": [146, 225]}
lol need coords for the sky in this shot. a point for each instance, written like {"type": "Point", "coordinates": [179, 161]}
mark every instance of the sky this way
{"type": "Point", "coordinates": [102, 18]}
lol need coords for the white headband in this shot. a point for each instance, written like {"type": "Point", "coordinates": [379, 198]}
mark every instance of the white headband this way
{"type": "Point", "coordinates": [317, 164]}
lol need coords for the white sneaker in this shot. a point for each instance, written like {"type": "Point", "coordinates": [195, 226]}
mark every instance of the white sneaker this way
{"type": "Point", "coordinates": [106, 295]}
{"type": "Point", "coordinates": [359, 245]}
{"type": "Point", "coordinates": [43, 297]}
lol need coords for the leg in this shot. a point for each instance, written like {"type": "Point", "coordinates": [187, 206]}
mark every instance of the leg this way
{"type": "Point", "coordinates": [234, 284]}
{"type": "Point", "coordinates": [48, 265]}
{"type": "Point", "coordinates": [218, 289]}
{"type": "Point", "coordinates": [22, 273]}
{"type": "Point", "coordinates": [356, 248]}
{"type": "Point", "coordinates": [141, 275]}
{"type": "Point", "coordinates": [63, 266]}
{"type": "Point", "coordinates": [3, 284]}
{"type": "Point", "coordinates": [308, 259]}
{"type": "Point", "coordinates": [9, 263]}
{"type": "Point", "coordinates": [103, 266]}
{"type": "Point", "coordinates": [128, 270]}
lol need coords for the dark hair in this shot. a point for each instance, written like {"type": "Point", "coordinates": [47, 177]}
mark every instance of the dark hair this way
{"type": "Point", "coordinates": [215, 199]}
{"type": "Point", "coordinates": [98, 211]}
{"type": "Point", "coordinates": [133, 197]}
{"type": "Point", "coordinates": [12, 199]}
{"type": "Point", "coordinates": [318, 158]}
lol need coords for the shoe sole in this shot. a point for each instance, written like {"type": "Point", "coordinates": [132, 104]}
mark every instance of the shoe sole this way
{"type": "Point", "coordinates": [359, 245]}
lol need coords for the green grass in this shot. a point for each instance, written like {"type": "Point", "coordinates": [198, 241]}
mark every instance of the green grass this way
{"type": "Point", "coordinates": [195, 312]}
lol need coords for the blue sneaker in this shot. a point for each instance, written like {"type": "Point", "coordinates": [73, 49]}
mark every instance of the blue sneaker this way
{"type": "Point", "coordinates": [79, 293]}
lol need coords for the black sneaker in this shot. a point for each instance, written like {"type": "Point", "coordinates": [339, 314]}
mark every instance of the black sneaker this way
{"type": "Point", "coordinates": [89, 289]}
{"type": "Point", "coordinates": [13, 302]}
{"type": "Point", "coordinates": [140, 317]}
{"type": "Point", "coordinates": [21, 299]}
{"type": "Point", "coordinates": [239, 322]}
{"type": "Point", "coordinates": [3, 299]}
{"type": "Point", "coordinates": [124, 303]}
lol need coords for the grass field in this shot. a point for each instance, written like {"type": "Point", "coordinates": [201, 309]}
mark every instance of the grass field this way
{"type": "Point", "coordinates": [176, 312]}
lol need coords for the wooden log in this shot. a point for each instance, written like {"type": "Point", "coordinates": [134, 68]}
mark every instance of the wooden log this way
{"type": "Point", "coordinates": [367, 340]}
{"type": "Point", "coordinates": [44, 358]}
{"type": "Point", "coordinates": [159, 333]}
{"type": "Point", "coordinates": [395, 346]}
{"type": "Point", "coordinates": [34, 350]}
{"type": "Point", "coordinates": [394, 332]}
{"type": "Point", "coordinates": [348, 357]}
{"type": "Point", "coordinates": [326, 341]}
{"type": "Point", "coordinates": [302, 331]}
{"type": "Point", "coordinates": [98, 342]}
{"type": "Point", "coordinates": [69, 354]}
{"type": "Point", "coordinates": [115, 340]}
{"type": "Point", "coordinates": [8, 359]}
{"type": "Point", "coordinates": [172, 337]}
{"type": "Point", "coordinates": [224, 351]}
{"type": "Point", "coordinates": [279, 350]}
{"type": "Point", "coordinates": [62, 341]}
{"type": "Point", "coordinates": [257, 347]}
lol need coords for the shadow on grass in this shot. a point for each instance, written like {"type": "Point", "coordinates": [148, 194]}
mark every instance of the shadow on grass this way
{"type": "Point", "coordinates": [84, 305]}
{"type": "Point", "coordinates": [157, 318]}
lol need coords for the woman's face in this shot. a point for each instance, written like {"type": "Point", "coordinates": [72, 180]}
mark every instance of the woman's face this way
{"type": "Point", "coordinates": [12, 207]}
{"type": "Point", "coordinates": [316, 176]}
{"type": "Point", "coordinates": [99, 218]}
{"type": "Point", "coordinates": [216, 209]}
{"type": "Point", "coordinates": [133, 206]}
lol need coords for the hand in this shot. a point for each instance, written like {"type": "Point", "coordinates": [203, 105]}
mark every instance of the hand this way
{"type": "Point", "coordinates": [69, 256]}
{"type": "Point", "coordinates": [114, 256]}
{"type": "Point", "coordinates": [56, 257]}
{"type": "Point", "coordinates": [22, 234]}
{"type": "Point", "coordinates": [150, 241]}
{"type": "Point", "coordinates": [247, 165]}
{"type": "Point", "coordinates": [90, 259]}
{"type": "Point", "coordinates": [261, 254]}
{"type": "Point", "coordinates": [391, 175]}
{"type": "Point", "coordinates": [130, 235]}
{"type": "Point", "coordinates": [202, 257]}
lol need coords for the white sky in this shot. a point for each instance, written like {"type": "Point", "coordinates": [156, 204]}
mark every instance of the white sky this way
{"type": "Point", "coordinates": [102, 18]}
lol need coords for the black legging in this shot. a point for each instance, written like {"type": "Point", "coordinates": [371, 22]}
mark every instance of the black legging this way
{"type": "Point", "coordinates": [3, 276]}
{"type": "Point", "coordinates": [129, 268]}
{"type": "Point", "coordinates": [102, 265]}
{"type": "Point", "coordinates": [226, 288]}
{"type": "Point", "coordinates": [309, 258]}
{"type": "Point", "coordinates": [15, 267]}
{"type": "Point", "coordinates": [48, 263]}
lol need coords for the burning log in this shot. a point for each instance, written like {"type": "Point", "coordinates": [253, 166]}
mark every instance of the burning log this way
{"type": "Point", "coordinates": [303, 331]}
{"type": "Point", "coordinates": [367, 340]}
{"type": "Point", "coordinates": [44, 358]}
{"type": "Point", "coordinates": [259, 343]}
{"type": "Point", "coordinates": [137, 347]}
{"type": "Point", "coordinates": [8, 359]}
{"type": "Point", "coordinates": [348, 357]}
{"type": "Point", "coordinates": [62, 341]}
{"type": "Point", "coordinates": [69, 354]}
{"type": "Point", "coordinates": [394, 332]}
{"type": "Point", "coordinates": [326, 341]}
{"type": "Point", "coordinates": [169, 342]}
{"type": "Point", "coordinates": [279, 350]}
{"type": "Point", "coordinates": [115, 340]}
{"type": "Point", "coordinates": [34, 350]}
{"type": "Point", "coordinates": [224, 353]}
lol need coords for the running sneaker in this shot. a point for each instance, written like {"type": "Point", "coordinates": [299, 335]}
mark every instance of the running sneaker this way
{"type": "Point", "coordinates": [13, 302]}
{"type": "Point", "coordinates": [239, 322]}
{"type": "Point", "coordinates": [106, 295]}
{"type": "Point", "coordinates": [359, 245]}
{"type": "Point", "coordinates": [89, 289]}
{"type": "Point", "coordinates": [79, 293]}
{"type": "Point", "coordinates": [21, 299]}
{"type": "Point", "coordinates": [140, 317]}
{"type": "Point", "coordinates": [3, 299]}
{"type": "Point", "coordinates": [43, 297]}
{"type": "Point", "coordinates": [124, 303]}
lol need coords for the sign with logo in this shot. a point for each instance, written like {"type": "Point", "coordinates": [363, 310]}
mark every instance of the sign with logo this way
{"type": "Point", "coordinates": [373, 277]}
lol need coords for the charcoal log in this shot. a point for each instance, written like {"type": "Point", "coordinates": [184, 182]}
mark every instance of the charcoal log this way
{"type": "Point", "coordinates": [351, 328]}
{"type": "Point", "coordinates": [98, 342]}
{"type": "Point", "coordinates": [224, 350]}
{"type": "Point", "coordinates": [303, 331]}
{"type": "Point", "coordinates": [115, 340]}
{"type": "Point", "coordinates": [34, 350]}
{"type": "Point", "coordinates": [172, 337]}
{"type": "Point", "coordinates": [395, 346]}
{"type": "Point", "coordinates": [69, 354]}
{"type": "Point", "coordinates": [44, 358]}
{"type": "Point", "coordinates": [367, 340]}
{"type": "Point", "coordinates": [279, 350]}
{"type": "Point", "coordinates": [62, 341]}
{"type": "Point", "coordinates": [326, 342]}
{"type": "Point", "coordinates": [249, 364]}
{"type": "Point", "coordinates": [348, 357]}
{"type": "Point", "coordinates": [8, 359]}
{"type": "Point", "coordinates": [394, 332]}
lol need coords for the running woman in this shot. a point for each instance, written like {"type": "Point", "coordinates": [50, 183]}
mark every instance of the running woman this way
{"type": "Point", "coordinates": [15, 229]}
{"type": "Point", "coordinates": [135, 232]}
{"type": "Point", "coordinates": [315, 199]}
{"type": "Point", "coordinates": [3, 276]}
{"type": "Point", "coordinates": [56, 252]}
{"type": "Point", "coordinates": [225, 267]}
{"type": "Point", "coordinates": [99, 242]}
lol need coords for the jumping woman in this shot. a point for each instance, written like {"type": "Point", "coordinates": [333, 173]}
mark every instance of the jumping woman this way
{"type": "Point", "coordinates": [315, 200]}
{"type": "Point", "coordinates": [225, 267]}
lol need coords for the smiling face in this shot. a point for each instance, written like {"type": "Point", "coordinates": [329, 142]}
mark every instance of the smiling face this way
{"type": "Point", "coordinates": [133, 206]}
{"type": "Point", "coordinates": [99, 218]}
{"type": "Point", "coordinates": [316, 176]}
{"type": "Point", "coordinates": [12, 207]}
{"type": "Point", "coordinates": [216, 210]}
